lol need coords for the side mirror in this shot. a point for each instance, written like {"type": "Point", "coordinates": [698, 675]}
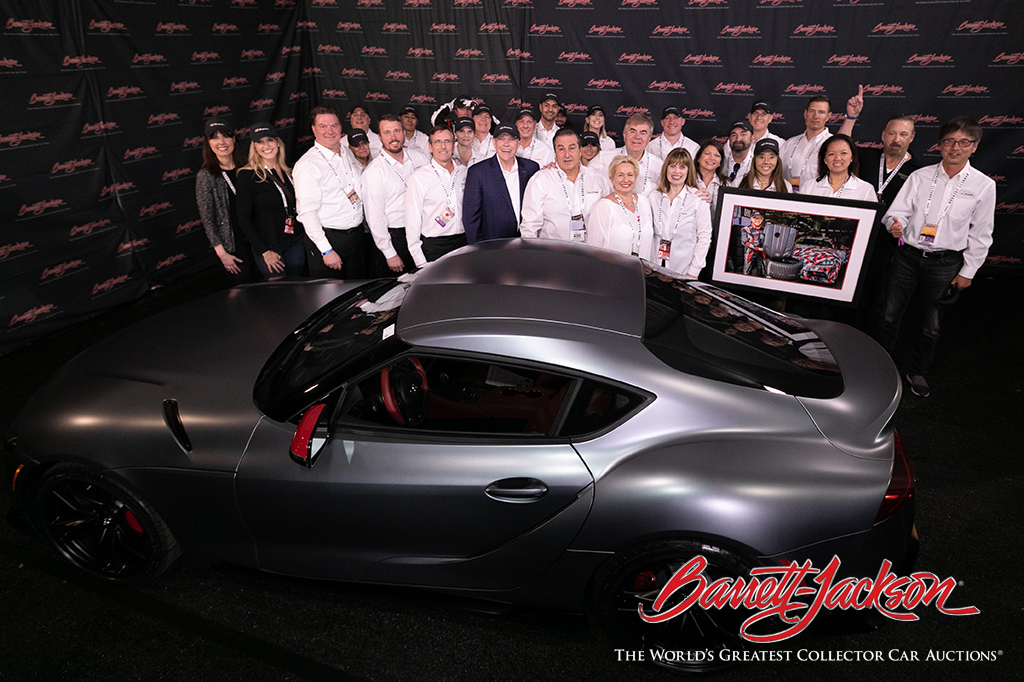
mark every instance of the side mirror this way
{"type": "Point", "coordinates": [311, 435]}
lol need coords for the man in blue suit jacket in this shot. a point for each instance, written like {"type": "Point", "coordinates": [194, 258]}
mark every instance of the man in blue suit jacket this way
{"type": "Point", "coordinates": [488, 211]}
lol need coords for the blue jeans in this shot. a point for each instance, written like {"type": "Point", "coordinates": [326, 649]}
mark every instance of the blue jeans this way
{"type": "Point", "coordinates": [291, 252]}
{"type": "Point", "coordinates": [911, 270]}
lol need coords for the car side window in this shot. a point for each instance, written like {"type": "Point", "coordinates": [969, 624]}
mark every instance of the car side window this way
{"type": "Point", "coordinates": [598, 406]}
{"type": "Point", "coordinates": [457, 395]}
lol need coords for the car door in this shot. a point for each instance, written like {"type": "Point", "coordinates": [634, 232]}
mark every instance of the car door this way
{"type": "Point", "coordinates": [475, 491]}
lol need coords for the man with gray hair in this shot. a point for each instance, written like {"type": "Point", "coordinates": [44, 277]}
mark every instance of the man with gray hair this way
{"type": "Point", "coordinates": [637, 135]}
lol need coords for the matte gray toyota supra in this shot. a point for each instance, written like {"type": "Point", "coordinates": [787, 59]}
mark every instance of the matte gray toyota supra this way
{"type": "Point", "coordinates": [530, 422]}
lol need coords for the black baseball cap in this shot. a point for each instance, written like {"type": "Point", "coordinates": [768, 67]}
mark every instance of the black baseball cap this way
{"type": "Point", "coordinates": [594, 109]}
{"type": "Point", "coordinates": [549, 95]}
{"type": "Point", "coordinates": [741, 124]}
{"type": "Point", "coordinates": [526, 112]}
{"type": "Point", "coordinates": [357, 137]}
{"type": "Point", "coordinates": [261, 130]}
{"type": "Point", "coordinates": [506, 129]}
{"type": "Point", "coordinates": [590, 138]}
{"type": "Point", "coordinates": [408, 110]}
{"type": "Point", "coordinates": [761, 104]}
{"type": "Point", "coordinates": [481, 108]}
{"type": "Point", "coordinates": [465, 123]}
{"type": "Point", "coordinates": [671, 110]}
{"type": "Point", "coordinates": [217, 125]}
{"type": "Point", "coordinates": [766, 144]}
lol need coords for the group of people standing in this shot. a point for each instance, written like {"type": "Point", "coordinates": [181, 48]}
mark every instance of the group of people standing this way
{"type": "Point", "coordinates": [378, 204]}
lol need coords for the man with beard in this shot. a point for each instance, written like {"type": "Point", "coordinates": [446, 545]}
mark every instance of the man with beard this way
{"type": "Point", "coordinates": [558, 200]}
{"type": "Point", "coordinates": [738, 156]}
{"type": "Point", "coordinates": [384, 183]}
{"type": "Point", "coordinates": [329, 203]}
{"type": "Point", "coordinates": [546, 127]}
{"type": "Point", "coordinates": [672, 122]}
{"type": "Point", "coordinates": [637, 135]}
{"type": "Point", "coordinates": [433, 202]}
{"type": "Point", "coordinates": [492, 204]}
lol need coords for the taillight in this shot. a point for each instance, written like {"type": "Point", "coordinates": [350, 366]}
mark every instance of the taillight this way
{"type": "Point", "coordinates": [901, 485]}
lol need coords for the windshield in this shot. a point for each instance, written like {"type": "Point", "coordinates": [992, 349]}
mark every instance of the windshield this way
{"type": "Point", "coordinates": [703, 330]}
{"type": "Point", "coordinates": [359, 325]}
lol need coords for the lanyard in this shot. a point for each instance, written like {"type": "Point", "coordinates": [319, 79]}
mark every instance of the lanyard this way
{"type": "Point", "coordinates": [812, 148]}
{"type": "Point", "coordinates": [627, 213]}
{"type": "Point", "coordinates": [679, 214]}
{"type": "Point", "coordinates": [931, 192]}
{"type": "Point", "coordinates": [838, 194]}
{"type": "Point", "coordinates": [348, 171]}
{"type": "Point", "coordinates": [451, 184]}
{"type": "Point", "coordinates": [395, 170]}
{"type": "Point", "coordinates": [646, 168]}
{"type": "Point", "coordinates": [881, 173]}
{"type": "Point", "coordinates": [280, 189]}
{"type": "Point", "coordinates": [568, 200]}
{"type": "Point", "coordinates": [228, 180]}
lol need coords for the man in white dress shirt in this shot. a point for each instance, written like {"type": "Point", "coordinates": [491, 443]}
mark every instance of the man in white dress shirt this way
{"type": "Point", "coordinates": [329, 203]}
{"type": "Point", "coordinates": [672, 137]}
{"type": "Point", "coordinates": [433, 202]}
{"type": "Point", "coordinates": [384, 184]}
{"type": "Point", "coordinates": [637, 135]}
{"type": "Point", "coordinates": [738, 154]}
{"type": "Point", "coordinates": [414, 139]}
{"type": "Point", "coordinates": [558, 200]}
{"type": "Point", "coordinates": [944, 214]}
{"type": "Point", "coordinates": [359, 119]}
{"type": "Point", "coordinates": [546, 127]}
{"type": "Point", "coordinates": [800, 153]}
{"type": "Point", "coordinates": [530, 146]}
{"type": "Point", "coordinates": [483, 120]}
{"type": "Point", "coordinates": [759, 118]}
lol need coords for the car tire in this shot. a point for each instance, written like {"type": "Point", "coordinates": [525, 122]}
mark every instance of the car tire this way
{"type": "Point", "coordinates": [784, 268]}
{"type": "Point", "coordinates": [690, 642]}
{"type": "Point", "coordinates": [101, 526]}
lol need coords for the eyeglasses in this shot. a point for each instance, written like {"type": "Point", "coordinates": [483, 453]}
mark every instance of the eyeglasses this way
{"type": "Point", "coordinates": [963, 142]}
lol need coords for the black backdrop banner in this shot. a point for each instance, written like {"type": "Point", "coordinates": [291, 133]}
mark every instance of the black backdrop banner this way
{"type": "Point", "coordinates": [103, 102]}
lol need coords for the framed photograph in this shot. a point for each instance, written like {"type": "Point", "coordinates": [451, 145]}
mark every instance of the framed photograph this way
{"type": "Point", "coordinates": [793, 244]}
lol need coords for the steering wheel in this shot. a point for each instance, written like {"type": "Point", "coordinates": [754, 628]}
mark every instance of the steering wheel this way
{"type": "Point", "coordinates": [404, 388]}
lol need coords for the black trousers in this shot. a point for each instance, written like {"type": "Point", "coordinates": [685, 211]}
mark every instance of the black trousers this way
{"type": "Point", "coordinates": [435, 247]}
{"type": "Point", "coordinates": [400, 244]}
{"type": "Point", "coordinates": [349, 245]}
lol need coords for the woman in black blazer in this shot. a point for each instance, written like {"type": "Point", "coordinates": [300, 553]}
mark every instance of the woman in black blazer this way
{"type": "Point", "coordinates": [266, 207]}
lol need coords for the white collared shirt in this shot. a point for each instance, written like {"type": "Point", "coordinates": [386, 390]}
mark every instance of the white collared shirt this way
{"type": "Point", "coordinates": [323, 182]}
{"type": "Point", "coordinates": [545, 136]}
{"type": "Point", "coordinates": [551, 200]}
{"type": "Point", "coordinates": [967, 223]}
{"type": "Point", "coordinates": [685, 223]}
{"type": "Point", "coordinates": [650, 168]}
{"type": "Point", "coordinates": [613, 228]}
{"type": "Point", "coordinates": [483, 149]}
{"type": "Point", "coordinates": [768, 134]}
{"type": "Point", "coordinates": [474, 158]}
{"type": "Point", "coordinates": [420, 142]}
{"type": "Point", "coordinates": [800, 157]}
{"type": "Point", "coordinates": [537, 151]}
{"type": "Point", "coordinates": [375, 145]}
{"type": "Point", "coordinates": [384, 183]}
{"type": "Point", "coordinates": [661, 146]}
{"type": "Point", "coordinates": [512, 183]}
{"type": "Point", "coordinates": [433, 190]}
{"type": "Point", "coordinates": [744, 168]}
{"type": "Point", "coordinates": [853, 188]}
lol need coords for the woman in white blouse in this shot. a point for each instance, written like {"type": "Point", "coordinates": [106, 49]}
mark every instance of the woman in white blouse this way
{"type": "Point", "coordinates": [621, 221]}
{"type": "Point", "coordinates": [766, 171]}
{"type": "Point", "coordinates": [837, 172]}
{"type": "Point", "coordinates": [682, 221]}
{"type": "Point", "coordinates": [709, 172]}
{"type": "Point", "coordinates": [594, 122]}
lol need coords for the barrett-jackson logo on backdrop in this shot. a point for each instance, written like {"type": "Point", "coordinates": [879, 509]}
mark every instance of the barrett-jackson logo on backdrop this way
{"type": "Point", "coordinates": [187, 227]}
{"type": "Point", "coordinates": [197, 141]}
{"type": "Point", "coordinates": [149, 59]}
{"type": "Point", "coordinates": [803, 89]}
{"type": "Point", "coordinates": [660, 31]}
{"type": "Point", "coordinates": [37, 313]}
{"type": "Point", "coordinates": [290, 49]}
{"type": "Point", "coordinates": [83, 62]}
{"type": "Point", "coordinates": [205, 57]}
{"type": "Point", "coordinates": [1004, 207]}
{"type": "Point", "coordinates": [269, 29]}
{"type": "Point", "coordinates": [234, 82]}
{"type": "Point", "coordinates": [40, 207]}
{"type": "Point", "coordinates": [441, 29]}
{"type": "Point", "coordinates": [884, 90]}
{"type": "Point", "coordinates": [7, 250]}
{"type": "Point", "coordinates": [773, 61]}
{"type": "Point", "coordinates": [378, 97]}
{"type": "Point", "coordinates": [930, 59]}
{"type": "Point", "coordinates": [635, 59]}
{"type": "Point", "coordinates": [395, 27]}
{"type": "Point", "coordinates": [894, 29]}
{"type": "Point", "coordinates": [666, 86]}
{"type": "Point", "coordinates": [165, 119]}
{"type": "Point", "coordinates": [969, 91]}
{"type": "Point", "coordinates": [419, 53]}
{"type": "Point", "coordinates": [848, 61]}
{"type": "Point", "coordinates": [170, 260]}
{"type": "Point", "coordinates": [705, 114]}
{"type": "Point", "coordinates": [814, 31]}
{"type": "Point", "coordinates": [493, 28]}
{"type": "Point", "coordinates": [265, 103]}
{"type": "Point", "coordinates": [469, 53]}
{"type": "Point", "coordinates": [1008, 58]}
{"type": "Point", "coordinates": [444, 77]}
{"type": "Point", "coordinates": [605, 31]}
{"type": "Point", "coordinates": [739, 31]}
{"type": "Point", "coordinates": [330, 50]}
{"type": "Point", "coordinates": [545, 30]}
{"type": "Point", "coordinates": [284, 122]}
{"type": "Point", "coordinates": [575, 58]}
{"type": "Point", "coordinates": [11, 65]}
{"type": "Point", "coordinates": [329, 93]}
{"type": "Point", "coordinates": [306, 26]}
{"type": "Point", "coordinates": [370, 4]}
{"type": "Point", "coordinates": [125, 92]}
{"type": "Point", "coordinates": [283, 4]}
{"type": "Point", "coordinates": [422, 99]}
{"type": "Point", "coordinates": [575, 107]}
{"type": "Point", "coordinates": [374, 51]}
{"type": "Point", "coordinates": [151, 211]}
{"type": "Point", "coordinates": [780, 3]}
{"type": "Point", "coordinates": [575, 4]}
{"type": "Point", "coordinates": [96, 226]}
{"type": "Point", "coordinates": [324, 3]}
{"type": "Point", "coordinates": [926, 120]}
{"type": "Point", "coordinates": [349, 27]}
{"type": "Point", "coordinates": [243, 4]}
{"type": "Point", "coordinates": [105, 26]}
{"type": "Point", "coordinates": [185, 88]}
{"type": "Point", "coordinates": [275, 77]}
{"type": "Point", "coordinates": [55, 272]}
{"type": "Point", "coordinates": [312, 72]}
{"type": "Point", "coordinates": [352, 72]}
{"type": "Point", "coordinates": [603, 85]}
{"type": "Point", "coordinates": [115, 282]}
{"type": "Point", "coordinates": [54, 100]}
{"type": "Point", "coordinates": [627, 111]}
{"type": "Point", "coordinates": [495, 78]}
{"type": "Point", "coordinates": [73, 167]}
{"type": "Point", "coordinates": [224, 29]}
{"type": "Point", "coordinates": [707, 60]}
{"type": "Point", "coordinates": [732, 88]}
{"type": "Point", "coordinates": [517, 3]}
{"type": "Point", "coordinates": [112, 190]}
{"type": "Point", "coordinates": [416, 4]}
{"type": "Point", "coordinates": [638, 4]}
{"type": "Point", "coordinates": [30, 26]}
{"type": "Point", "coordinates": [395, 75]}
{"type": "Point", "coordinates": [996, 121]}
{"type": "Point", "coordinates": [100, 129]}
{"type": "Point", "coordinates": [986, 27]}
{"type": "Point", "coordinates": [140, 153]}
{"type": "Point", "coordinates": [544, 82]}
{"type": "Point", "coordinates": [708, 4]}
{"type": "Point", "coordinates": [216, 110]}
{"type": "Point", "coordinates": [12, 140]}
{"type": "Point", "coordinates": [467, 4]}
{"type": "Point", "coordinates": [252, 56]}
{"type": "Point", "coordinates": [518, 55]}
{"type": "Point", "coordinates": [171, 28]}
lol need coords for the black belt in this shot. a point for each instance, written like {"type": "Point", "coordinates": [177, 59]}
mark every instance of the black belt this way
{"type": "Point", "coordinates": [921, 253]}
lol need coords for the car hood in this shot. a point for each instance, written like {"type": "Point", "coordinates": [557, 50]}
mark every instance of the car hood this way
{"type": "Point", "coordinates": [858, 421]}
{"type": "Point", "coordinates": [205, 355]}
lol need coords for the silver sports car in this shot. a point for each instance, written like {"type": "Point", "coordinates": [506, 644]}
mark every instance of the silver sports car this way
{"type": "Point", "coordinates": [530, 422]}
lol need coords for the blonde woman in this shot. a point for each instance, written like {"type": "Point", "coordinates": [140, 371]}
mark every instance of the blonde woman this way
{"type": "Point", "coordinates": [681, 220]}
{"type": "Point", "coordinates": [621, 221]}
{"type": "Point", "coordinates": [266, 207]}
{"type": "Point", "coordinates": [594, 123]}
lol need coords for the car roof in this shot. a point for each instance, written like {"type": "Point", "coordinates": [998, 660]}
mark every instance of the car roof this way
{"type": "Point", "coordinates": [482, 288]}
